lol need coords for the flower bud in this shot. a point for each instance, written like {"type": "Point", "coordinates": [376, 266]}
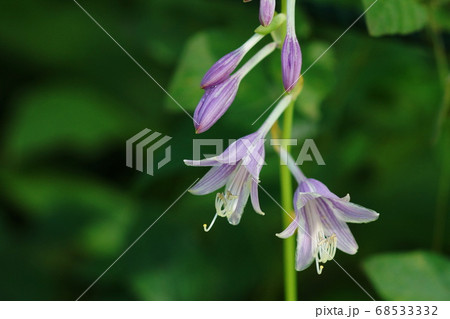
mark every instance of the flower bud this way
{"type": "Point", "coordinates": [222, 69]}
{"type": "Point", "coordinates": [214, 103]}
{"type": "Point", "coordinates": [291, 61]}
{"type": "Point", "coordinates": [266, 11]}
{"type": "Point", "coordinates": [291, 55]}
{"type": "Point", "coordinates": [218, 98]}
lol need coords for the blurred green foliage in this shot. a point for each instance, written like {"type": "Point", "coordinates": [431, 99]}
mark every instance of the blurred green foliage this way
{"type": "Point", "coordinates": [70, 98]}
{"type": "Point", "coordinates": [404, 276]}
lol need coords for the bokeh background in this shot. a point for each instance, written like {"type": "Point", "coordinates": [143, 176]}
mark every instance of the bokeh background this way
{"type": "Point", "coordinates": [70, 98]}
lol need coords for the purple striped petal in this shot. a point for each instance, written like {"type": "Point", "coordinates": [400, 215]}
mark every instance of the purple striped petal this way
{"type": "Point", "coordinates": [214, 103]}
{"type": "Point", "coordinates": [352, 213]}
{"type": "Point", "coordinates": [290, 230]}
{"type": "Point", "coordinates": [305, 242]}
{"type": "Point", "coordinates": [237, 150]}
{"type": "Point", "coordinates": [255, 197]}
{"type": "Point", "coordinates": [235, 218]}
{"type": "Point", "coordinates": [332, 225]}
{"type": "Point", "coordinates": [203, 162]}
{"type": "Point", "coordinates": [214, 179]}
{"type": "Point", "coordinates": [302, 199]}
{"type": "Point", "coordinates": [222, 69]}
{"type": "Point", "coordinates": [254, 160]}
{"type": "Point", "coordinates": [314, 186]}
{"type": "Point", "coordinates": [266, 11]}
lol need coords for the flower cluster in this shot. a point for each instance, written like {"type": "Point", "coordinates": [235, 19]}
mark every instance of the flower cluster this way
{"type": "Point", "coordinates": [320, 216]}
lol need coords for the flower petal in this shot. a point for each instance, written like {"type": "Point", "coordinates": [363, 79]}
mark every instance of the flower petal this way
{"type": "Point", "coordinates": [314, 186]}
{"type": "Point", "coordinates": [305, 241]}
{"type": "Point", "coordinates": [332, 225]}
{"type": "Point", "coordinates": [204, 162]}
{"type": "Point", "coordinates": [352, 213]}
{"type": "Point", "coordinates": [290, 230]}
{"type": "Point", "coordinates": [301, 199]}
{"type": "Point", "coordinates": [254, 160]}
{"type": "Point", "coordinates": [214, 179]}
{"type": "Point", "coordinates": [235, 218]}
{"type": "Point", "coordinates": [254, 197]}
{"type": "Point", "coordinates": [237, 150]}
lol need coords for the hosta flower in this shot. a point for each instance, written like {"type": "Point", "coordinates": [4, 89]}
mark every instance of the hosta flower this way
{"type": "Point", "coordinates": [321, 220]}
{"type": "Point", "coordinates": [237, 168]}
{"type": "Point", "coordinates": [222, 69]}
{"type": "Point", "coordinates": [217, 99]}
{"type": "Point", "coordinates": [266, 11]}
{"type": "Point", "coordinates": [291, 55]}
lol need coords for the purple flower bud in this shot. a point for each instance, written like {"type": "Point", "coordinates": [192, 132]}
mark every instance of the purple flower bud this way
{"type": "Point", "coordinates": [266, 11]}
{"type": "Point", "coordinates": [222, 69]}
{"type": "Point", "coordinates": [291, 55]}
{"type": "Point", "coordinates": [214, 103]}
{"type": "Point", "coordinates": [218, 98]}
{"type": "Point", "coordinates": [291, 61]}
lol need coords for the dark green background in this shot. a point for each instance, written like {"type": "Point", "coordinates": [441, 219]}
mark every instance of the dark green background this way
{"type": "Point", "coordinates": [70, 98]}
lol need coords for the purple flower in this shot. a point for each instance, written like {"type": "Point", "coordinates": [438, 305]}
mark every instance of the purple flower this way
{"type": "Point", "coordinates": [237, 168]}
{"type": "Point", "coordinates": [266, 11]}
{"type": "Point", "coordinates": [217, 99]}
{"type": "Point", "coordinates": [291, 55]}
{"type": "Point", "coordinates": [222, 69]}
{"type": "Point", "coordinates": [321, 220]}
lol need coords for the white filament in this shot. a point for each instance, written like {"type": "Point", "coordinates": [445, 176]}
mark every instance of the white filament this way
{"type": "Point", "coordinates": [226, 202]}
{"type": "Point", "coordinates": [207, 228]}
{"type": "Point", "coordinates": [326, 249]}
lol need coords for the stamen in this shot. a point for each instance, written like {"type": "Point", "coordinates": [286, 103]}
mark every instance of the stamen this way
{"type": "Point", "coordinates": [210, 225]}
{"type": "Point", "coordinates": [326, 249]}
{"type": "Point", "coordinates": [226, 204]}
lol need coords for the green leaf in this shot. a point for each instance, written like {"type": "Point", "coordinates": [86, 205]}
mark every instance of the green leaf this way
{"type": "Point", "coordinates": [76, 118]}
{"type": "Point", "coordinates": [395, 16]}
{"type": "Point", "coordinates": [195, 60]}
{"type": "Point", "coordinates": [417, 275]}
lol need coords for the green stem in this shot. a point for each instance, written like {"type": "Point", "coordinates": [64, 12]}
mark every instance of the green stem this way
{"type": "Point", "coordinates": [290, 274]}
{"type": "Point", "coordinates": [440, 140]}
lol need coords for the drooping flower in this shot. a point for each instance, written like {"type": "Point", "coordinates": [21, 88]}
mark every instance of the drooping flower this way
{"type": "Point", "coordinates": [237, 168]}
{"type": "Point", "coordinates": [217, 99]}
{"type": "Point", "coordinates": [266, 11]}
{"type": "Point", "coordinates": [321, 220]}
{"type": "Point", "coordinates": [291, 55]}
{"type": "Point", "coordinates": [222, 69]}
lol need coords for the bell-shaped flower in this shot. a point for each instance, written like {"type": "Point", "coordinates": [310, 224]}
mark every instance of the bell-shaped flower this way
{"type": "Point", "coordinates": [321, 220]}
{"type": "Point", "coordinates": [222, 69]}
{"type": "Point", "coordinates": [237, 168]}
{"type": "Point", "coordinates": [291, 55]}
{"type": "Point", "coordinates": [266, 11]}
{"type": "Point", "coordinates": [217, 99]}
